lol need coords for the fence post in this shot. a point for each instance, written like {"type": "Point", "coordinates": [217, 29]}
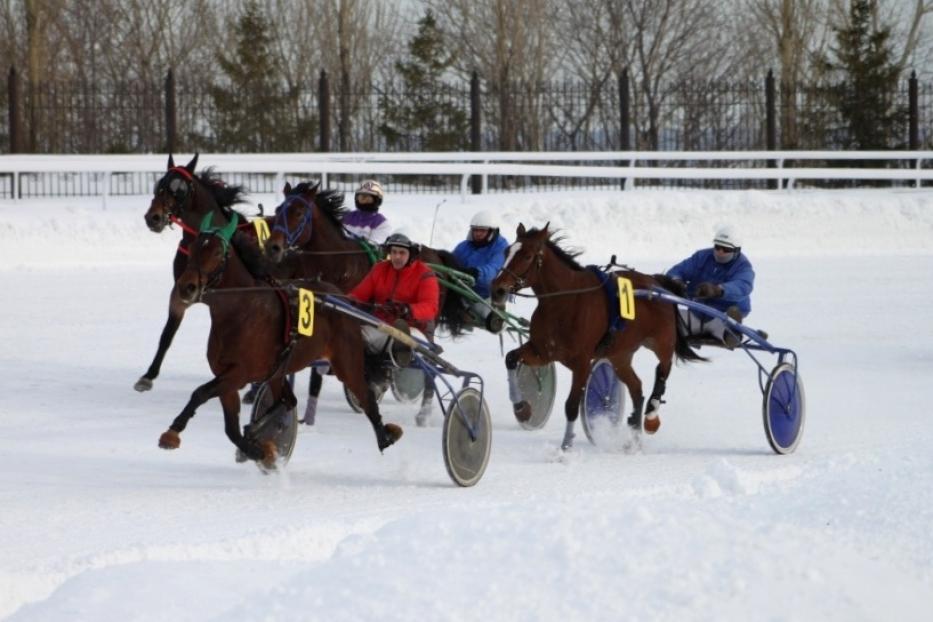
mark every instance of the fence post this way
{"type": "Point", "coordinates": [914, 107]}
{"type": "Point", "coordinates": [171, 127]}
{"type": "Point", "coordinates": [625, 137]}
{"type": "Point", "coordinates": [13, 99]}
{"type": "Point", "coordinates": [323, 105]}
{"type": "Point", "coordinates": [475, 127]}
{"type": "Point", "coordinates": [770, 123]}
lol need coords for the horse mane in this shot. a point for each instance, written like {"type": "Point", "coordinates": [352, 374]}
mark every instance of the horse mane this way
{"type": "Point", "coordinates": [329, 201]}
{"type": "Point", "coordinates": [226, 196]}
{"type": "Point", "coordinates": [568, 257]}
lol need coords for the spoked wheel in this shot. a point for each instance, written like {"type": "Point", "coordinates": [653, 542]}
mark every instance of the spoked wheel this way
{"type": "Point", "coordinates": [602, 403]}
{"type": "Point", "coordinates": [538, 385]}
{"type": "Point", "coordinates": [407, 384]}
{"type": "Point", "coordinates": [467, 437]}
{"type": "Point", "coordinates": [784, 408]}
{"type": "Point", "coordinates": [280, 427]}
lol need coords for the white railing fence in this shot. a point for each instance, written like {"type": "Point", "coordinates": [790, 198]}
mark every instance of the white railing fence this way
{"type": "Point", "coordinates": [626, 166]}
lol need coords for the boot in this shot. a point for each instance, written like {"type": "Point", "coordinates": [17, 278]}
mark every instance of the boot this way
{"type": "Point", "coordinates": [310, 411]}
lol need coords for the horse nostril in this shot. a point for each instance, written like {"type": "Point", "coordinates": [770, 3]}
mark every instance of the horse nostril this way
{"type": "Point", "coordinates": [190, 289]}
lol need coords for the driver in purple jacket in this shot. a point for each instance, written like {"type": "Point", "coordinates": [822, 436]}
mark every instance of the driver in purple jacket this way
{"type": "Point", "coordinates": [721, 277]}
{"type": "Point", "coordinates": [365, 221]}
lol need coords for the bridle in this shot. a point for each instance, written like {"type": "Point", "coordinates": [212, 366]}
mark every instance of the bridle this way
{"type": "Point", "coordinates": [180, 189]}
{"type": "Point", "coordinates": [521, 281]}
{"type": "Point", "coordinates": [221, 233]}
{"type": "Point", "coordinates": [280, 224]}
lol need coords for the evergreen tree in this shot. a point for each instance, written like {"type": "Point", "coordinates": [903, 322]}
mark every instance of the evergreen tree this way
{"type": "Point", "coordinates": [866, 96]}
{"type": "Point", "coordinates": [426, 107]}
{"type": "Point", "coordinates": [251, 110]}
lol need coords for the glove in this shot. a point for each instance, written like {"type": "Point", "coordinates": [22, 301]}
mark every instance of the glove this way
{"type": "Point", "coordinates": [708, 290]}
{"type": "Point", "coordinates": [678, 286]}
{"type": "Point", "coordinates": [472, 272]}
{"type": "Point", "coordinates": [398, 309]}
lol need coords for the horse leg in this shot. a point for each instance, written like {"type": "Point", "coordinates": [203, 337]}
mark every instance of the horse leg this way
{"type": "Point", "coordinates": [349, 368]}
{"type": "Point", "coordinates": [579, 370]}
{"type": "Point", "coordinates": [170, 439]}
{"type": "Point", "coordinates": [527, 355]}
{"type": "Point", "coordinates": [176, 312]}
{"type": "Point", "coordinates": [652, 420]}
{"type": "Point", "coordinates": [427, 402]}
{"type": "Point", "coordinates": [314, 390]}
{"type": "Point", "coordinates": [264, 452]}
{"type": "Point", "coordinates": [625, 372]}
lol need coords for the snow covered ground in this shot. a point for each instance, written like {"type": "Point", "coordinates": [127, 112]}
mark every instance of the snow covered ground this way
{"type": "Point", "coordinates": [705, 522]}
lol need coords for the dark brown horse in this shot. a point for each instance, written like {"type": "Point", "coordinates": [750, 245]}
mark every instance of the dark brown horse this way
{"type": "Point", "coordinates": [570, 324]}
{"type": "Point", "coordinates": [308, 238]}
{"type": "Point", "coordinates": [182, 197]}
{"type": "Point", "coordinates": [250, 340]}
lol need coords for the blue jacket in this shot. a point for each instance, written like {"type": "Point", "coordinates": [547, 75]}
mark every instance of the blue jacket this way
{"type": "Point", "coordinates": [736, 277]}
{"type": "Point", "coordinates": [487, 260]}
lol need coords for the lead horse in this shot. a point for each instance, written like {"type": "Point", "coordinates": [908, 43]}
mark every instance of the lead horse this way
{"type": "Point", "coordinates": [571, 321]}
{"type": "Point", "coordinates": [254, 337]}
{"type": "Point", "coordinates": [183, 198]}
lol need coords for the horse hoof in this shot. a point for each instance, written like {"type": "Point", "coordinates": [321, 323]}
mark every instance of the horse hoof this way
{"type": "Point", "coordinates": [269, 454]}
{"type": "Point", "coordinates": [169, 440]}
{"type": "Point", "coordinates": [652, 423]}
{"type": "Point", "coordinates": [392, 433]}
{"type": "Point", "coordinates": [143, 384]}
{"type": "Point", "coordinates": [522, 411]}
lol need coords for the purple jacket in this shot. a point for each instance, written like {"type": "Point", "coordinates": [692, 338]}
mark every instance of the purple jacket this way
{"type": "Point", "coordinates": [372, 226]}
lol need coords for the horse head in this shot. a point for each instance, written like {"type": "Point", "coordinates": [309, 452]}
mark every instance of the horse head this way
{"type": "Point", "coordinates": [172, 194]}
{"type": "Point", "coordinates": [292, 226]}
{"type": "Point", "coordinates": [523, 260]}
{"type": "Point", "coordinates": [207, 259]}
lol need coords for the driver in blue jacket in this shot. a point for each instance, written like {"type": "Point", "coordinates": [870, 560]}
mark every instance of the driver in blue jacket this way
{"type": "Point", "coordinates": [482, 255]}
{"type": "Point", "coordinates": [722, 278]}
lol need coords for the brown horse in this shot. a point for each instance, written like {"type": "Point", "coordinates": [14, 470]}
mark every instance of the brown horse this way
{"type": "Point", "coordinates": [308, 237]}
{"type": "Point", "coordinates": [250, 340]}
{"type": "Point", "coordinates": [571, 321]}
{"type": "Point", "coordinates": [181, 197]}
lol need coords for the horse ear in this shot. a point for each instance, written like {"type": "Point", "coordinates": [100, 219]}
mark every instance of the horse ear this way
{"type": "Point", "coordinates": [190, 165]}
{"type": "Point", "coordinates": [287, 190]}
{"type": "Point", "coordinates": [171, 161]}
{"type": "Point", "coordinates": [315, 189]}
{"type": "Point", "coordinates": [521, 229]}
{"type": "Point", "coordinates": [546, 225]}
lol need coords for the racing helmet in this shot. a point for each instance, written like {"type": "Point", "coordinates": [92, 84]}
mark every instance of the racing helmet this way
{"type": "Point", "coordinates": [726, 236]}
{"type": "Point", "coordinates": [372, 188]}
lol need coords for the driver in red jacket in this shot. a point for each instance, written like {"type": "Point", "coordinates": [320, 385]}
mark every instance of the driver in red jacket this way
{"type": "Point", "coordinates": [399, 288]}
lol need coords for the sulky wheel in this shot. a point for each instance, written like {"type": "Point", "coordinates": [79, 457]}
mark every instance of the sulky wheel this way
{"type": "Point", "coordinates": [281, 426]}
{"type": "Point", "coordinates": [603, 401]}
{"type": "Point", "coordinates": [467, 437]}
{"type": "Point", "coordinates": [784, 408]}
{"type": "Point", "coordinates": [407, 384]}
{"type": "Point", "coordinates": [538, 386]}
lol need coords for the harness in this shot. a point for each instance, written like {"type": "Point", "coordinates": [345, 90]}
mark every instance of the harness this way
{"type": "Point", "coordinates": [616, 322]}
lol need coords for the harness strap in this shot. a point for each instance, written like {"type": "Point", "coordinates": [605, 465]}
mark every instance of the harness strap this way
{"type": "Point", "coordinates": [616, 322]}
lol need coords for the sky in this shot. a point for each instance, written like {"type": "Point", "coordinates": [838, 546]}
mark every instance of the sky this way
{"type": "Point", "coordinates": [701, 521]}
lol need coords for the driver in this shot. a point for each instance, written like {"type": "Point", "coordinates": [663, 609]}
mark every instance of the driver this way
{"type": "Point", "coordinates": [482, 255]}
{"type": "Point", "coordinates": [721, 277]}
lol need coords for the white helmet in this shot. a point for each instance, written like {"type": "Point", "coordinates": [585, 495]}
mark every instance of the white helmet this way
{"type": "Point", "coordinates": [484, 219]}
{"type": "Point", "coordinates": [726, 236]}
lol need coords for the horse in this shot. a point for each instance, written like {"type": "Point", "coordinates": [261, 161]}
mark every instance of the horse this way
{"type": "Point", "coordinates": [570, 325]}
{"type": "Point", "coordinates": [308, 234]}
{"type": "Point", "coordinates": [251, 340]}
{"type": "Point", "coordinates": [182, 197]}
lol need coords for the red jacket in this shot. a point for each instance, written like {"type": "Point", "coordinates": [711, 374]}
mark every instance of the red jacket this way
{"type": "Point", "coordinates": [414, 285]}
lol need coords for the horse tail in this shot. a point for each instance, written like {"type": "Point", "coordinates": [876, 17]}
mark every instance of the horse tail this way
{"type": "Point", "coordinates": [682, 349]}
{"type": "Point", "coordinates": [451, 315]}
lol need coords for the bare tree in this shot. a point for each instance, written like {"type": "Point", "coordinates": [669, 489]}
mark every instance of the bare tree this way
{"type": "Point", "coordinates": [513, 44]}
